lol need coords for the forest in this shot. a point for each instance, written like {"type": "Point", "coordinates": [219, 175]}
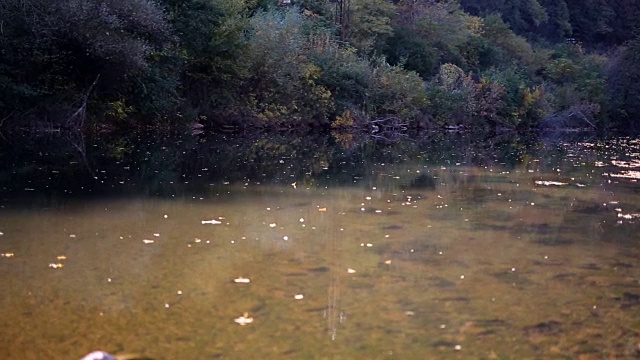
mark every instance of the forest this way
{"type": "Point", "coordinates": [320, 64]}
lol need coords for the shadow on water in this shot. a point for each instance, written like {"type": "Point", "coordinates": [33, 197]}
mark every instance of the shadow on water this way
{"type": "Point", "coordinates": [165, 165]}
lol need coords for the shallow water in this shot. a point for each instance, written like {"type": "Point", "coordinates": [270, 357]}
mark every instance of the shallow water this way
{"type": "Point", "coordinates": [439, 249]}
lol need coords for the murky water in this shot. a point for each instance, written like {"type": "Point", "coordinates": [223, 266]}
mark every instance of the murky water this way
{"type": "Point", "coordinates": [439, 249]}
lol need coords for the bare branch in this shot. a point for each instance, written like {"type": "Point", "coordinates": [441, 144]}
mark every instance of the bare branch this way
{"type": "Point", "coordinates": [82, 110]}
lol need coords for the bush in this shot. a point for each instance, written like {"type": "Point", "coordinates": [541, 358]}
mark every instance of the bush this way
{"type": "Point", "coordinates": [577, 81]}
{"type": "Point", "coordinates": [497, 99]}
{"type": "Point", "coordinates": [450, 94]}
{"type": "Point", "coordinates": [370, 88]}
{"type": "Point", "coordinates": [524, 101]}
{"type": "Point", "coordinates": [283, 84]}
{"type": "Point", "coordinates": [344, 74]}
{"type": "Point", "coordinates": [394, 91]}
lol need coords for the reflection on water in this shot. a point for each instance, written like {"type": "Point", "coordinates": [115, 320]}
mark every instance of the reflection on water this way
{"type": "Point", "coordinates": [206, 248]}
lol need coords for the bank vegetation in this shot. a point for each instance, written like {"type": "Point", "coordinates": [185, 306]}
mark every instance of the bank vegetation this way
{"type": "Point", "coordinates": [334, 65]}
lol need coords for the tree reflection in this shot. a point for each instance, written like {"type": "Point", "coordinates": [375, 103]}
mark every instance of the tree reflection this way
{"type": "Point", "coordinates": [182, 165]}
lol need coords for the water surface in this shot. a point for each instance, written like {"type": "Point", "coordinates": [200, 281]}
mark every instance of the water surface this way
{"type": "Point", "coordinates": [445, 248]}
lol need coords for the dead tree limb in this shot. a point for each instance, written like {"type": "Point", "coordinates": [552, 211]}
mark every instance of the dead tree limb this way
{"type": "Point", "coordinates": [81, 112]}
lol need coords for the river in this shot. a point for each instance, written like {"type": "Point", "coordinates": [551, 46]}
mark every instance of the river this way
{"type": "Point", "coordinates": [448, 247]}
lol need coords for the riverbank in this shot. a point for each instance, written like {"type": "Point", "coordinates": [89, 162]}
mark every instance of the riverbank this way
{"type": "Point", "coordinates": [258, 64]}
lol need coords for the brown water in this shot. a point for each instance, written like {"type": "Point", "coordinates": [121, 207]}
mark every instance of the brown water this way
{"type": "Point", "coordinates": [411, 259]}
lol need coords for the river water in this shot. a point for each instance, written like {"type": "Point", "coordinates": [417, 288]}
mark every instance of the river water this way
{"type": "Point", "coordinates": [277, 248]}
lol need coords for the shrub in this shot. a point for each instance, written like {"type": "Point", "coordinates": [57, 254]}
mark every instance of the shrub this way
{"type": "Point", "coordinates": [371, 88]}
{"type": "Point", "coordinates": [499, 98]}
{"type": "Point", "coordinates": [283, 85]}
{"type": "Point", "coordinates": [449, 95]}
{"type": "Point", "coordinates": [394, 91]}
{"type": "Point", "coordinates": [576, 81]}
{"type": "Point", "coordinates": [344, 74]}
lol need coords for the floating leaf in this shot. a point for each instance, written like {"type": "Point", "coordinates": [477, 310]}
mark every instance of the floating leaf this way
{"type": "Point", "coordinates": [244, 319]}
{"type": "Point", "coordinates": [212, 221]}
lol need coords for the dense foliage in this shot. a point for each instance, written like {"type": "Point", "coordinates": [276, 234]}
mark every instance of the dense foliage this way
{"type": "Point", "coordinates": [516, 64]}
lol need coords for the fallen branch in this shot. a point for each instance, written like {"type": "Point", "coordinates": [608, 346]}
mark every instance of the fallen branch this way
{"type": "Point", "coordinates": [583, 112]}
{"type": "Point", "coordinates": [391, 123]}
{"type": "Point", "coordinates": [579, 113]}
{"type": "Point", "coordinates": [2, 123]}
{"type": "Point", "coordinates": [82, 110]}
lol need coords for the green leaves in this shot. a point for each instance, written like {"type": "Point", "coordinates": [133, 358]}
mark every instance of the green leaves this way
{"type": "Point", "coordinates": [624, 85]}
{"type": "Point", "coordinates": [284, 65]}
{"type": "Point", "coordinates": [370, 24]}
{"type": "Point", "coordinates": [211, 45]}
{"type": "Point", "coordinates": [282, 79]}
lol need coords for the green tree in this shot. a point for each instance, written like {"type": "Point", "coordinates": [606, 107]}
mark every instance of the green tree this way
{"type": "Point", "coordinates": [394, 91]}
{"type": "Point", "coordinates": [522, 16]}
{"type": "Point", "coordinates": [624, 86]}
{"type": "Point", "coordinates": [282, 85]}
{"type": "Point", "coordinates": [592, 20]}
{"type": "Point", "coordinates": [627, 19]}
{"type": "Point", "coordinates": [369, 89]}
{"type": "Point", "coordinates": [429, 33]}
{"type": "Point", "coordinates": [413, 52]}
{"type": "Point", "coordinates": [51, 52]}
{"type": "Point", "coordinates": [370, 24]}
{"type": "Point", "coordinates": [558, 26]}
{"type": "Point", "coordinates": [512, 47]}
{"type": "Point", "coordinates": [577, 83]}
{"type": "Point", "coordinates": [210, 33]}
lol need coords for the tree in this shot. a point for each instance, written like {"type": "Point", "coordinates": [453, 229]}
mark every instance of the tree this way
{"type": "Point", "coordinates": [591, 20]}
{"type": "Point", "coordinates": [511, 46]}
{"type": "Point", "coordinates": [413, 52]}
{"type": "Point", "coordinates": [558, 26]}
{"type": "Point", "coordinates": [522, 16]}
{"type": "Point", "coordinates": [210, 33]}
{"type": "Point", "coordinates": [370, 24]}
{"type": "Point", "coordinates": [627, 19]}
{"type": "Point", "coordinates": [430, 33]}
{"type": "Point", "coordinates": [52, 52]}
{"type": "Point", "coordinates": [624, 85]}
{"type": "Point", "coordinates": [282, 82]}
